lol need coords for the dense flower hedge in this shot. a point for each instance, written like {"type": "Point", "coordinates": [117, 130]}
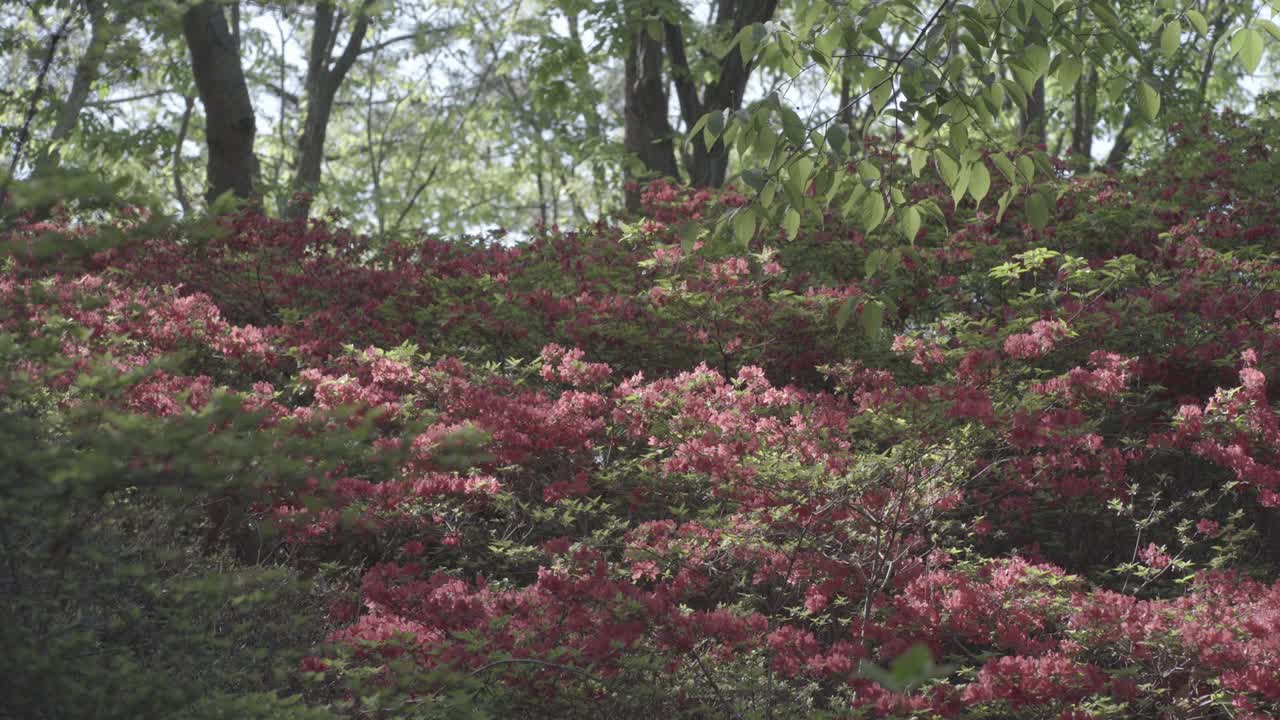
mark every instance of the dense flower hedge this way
{"type": "Point", "coordinates": [638, 469]}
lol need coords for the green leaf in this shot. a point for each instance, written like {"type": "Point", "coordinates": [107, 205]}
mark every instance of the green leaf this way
{"type": "Point", "coordinates": [872, 318]}
{"type": "Point", "coordinates": [1027, 169]}
{"type": "Point", "coordinates": [791, 223]}
{"type": "Point", "coordinates": [1272, 29]}
{"type": "Point", "coordinates": [909, 670]}
{"type": "Point", "coordinates": [1037, 59]}
{"type": "Point", "coordinates": [1247, 45]}
{"type": "Point", "coordinates": [1005, 166]}
{"type": "Point", "coordinates": [1037, 211]}
{"type": "Point", "coordinates": [653, 27]}
{"type": "Point", "coordinates": [828, 42]}
{"type": "Point", "coordinates": [948, 169]}
{"type": "Point", "coordinates": [1015, 91]}
{"type": "Point", "coordinates": [1003, 203]}
{"type": "Point", "coordinates": [979, 182]}
{"type": "Point", "coordinates": [843, 315]}
{"type": "Point", "coordinates": [1026, 79]}
{"type": "Point", "coordinates": [1198, 22]}
{"type": "Point", "coordinates": [798, 177]}
{"type": "Point", "coordinates": [1148, 100]}
{"type": "Point", "coordinates": [910, 223]}
{"type": "Point", "coordinates": [744, 226]}
{"type": "Point", "coordinates": [918, 159]}
{"type": "Point", "coordinates": [913, 666]}
{"type": "Point", "coordinates": [837, 138]}
{"type": "Point", "coordinates": [880, 94]}
{"type": "Point", "coordinates": [873, 211]}
{"type": "Point", "coordinates": [1069, 69]}
{"type": "Point", "coordinates": [874, 262]}
{"type": "Point", "coordinates": [792, 127]}
{"type": "Point", "coordinates": [714, 126]}
{"type": "Point", "coordinates": [748, 40]}
{"type": "Point", "coordinates": [961, 185]}
{"type": "Point", "coordinates": [1170, 38]}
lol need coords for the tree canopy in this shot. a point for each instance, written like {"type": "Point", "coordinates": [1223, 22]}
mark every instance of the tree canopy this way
{"type": "Point", "coordinates": [465, 116]}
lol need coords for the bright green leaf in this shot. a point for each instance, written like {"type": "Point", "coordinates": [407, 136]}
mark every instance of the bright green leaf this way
{"type": "Point", "coordinates": [910, 223]}
{"type": "Point", "coordinates": [1198, 22]}
{"type": "Point", "coordinates": [918, 159]}
{"type": "Point", "coordinates": [1272, 29]}
{"type": "Point", "coordinates": [1005, 166]}
{"type": "Point", "coordinates": [948, 169]}
{"type": "Point", "coordinates": [1170, 38]}
{"type": "Point", "coordinates": [1069, 69]}
{"type": "Point", "coordinates": [791, 223]}
{"type": "Point", "coordinates": [1027, 169]}
{"type": "Point", "coordinates": [1148, 100]}
{"type": "Point", "coordinates": [979, 182]}
{"type": "Point", "coordinates": [873, 211]}
{"type": "Point", "coordinates": [744, 226]}
{"type": "Point", "coordinates": [1247, 45]}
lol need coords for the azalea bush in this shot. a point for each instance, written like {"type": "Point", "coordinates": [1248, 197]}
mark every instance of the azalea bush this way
{"type": "Point", "coordinates": [639, 468]}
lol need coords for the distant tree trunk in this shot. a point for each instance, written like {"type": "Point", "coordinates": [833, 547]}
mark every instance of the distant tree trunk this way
{"type": "Point", "coordinates": [1033, 120]}
{"type": "Point", "coordinates": [1033, 127]}
{"type": "Point", "coordinates": [229, 119]}
{"type": "Point", "coordinates": [322, 86]}
{"type": "Point", "coordinates": [1124, 140]}
{"type": "Point", "coordinates": [846, 104]}
{"type": "Point", "coordinates": [1206, 70]}
{"type": "Point", "coordinates": [86, 73]}
{"type": "Point", "coordinates": [647, 134]}
{"type": "Point", "coordinates": [24, 131]}
{"type": "Point", "coordinates": [179, 188]}
{"type": "Point", "coordinates": [1084, 118]}
{"type": "Point", "coordinates": [708, 166]}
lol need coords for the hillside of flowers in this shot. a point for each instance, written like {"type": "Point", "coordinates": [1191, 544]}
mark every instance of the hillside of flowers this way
{"type": "Point", "coordinates": [270, 468]}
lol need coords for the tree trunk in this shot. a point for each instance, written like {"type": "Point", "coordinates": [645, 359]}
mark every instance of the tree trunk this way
{"type": "Point", "coordinates": [1084, 118]}
{"type": "Point", "coordinates": [323, 82]}
{"type": "Point", "coordinates": [24, 131]}
{"type": "Point", "coordinates": [647, 134]}
{"type": "Point", "coordinates": [1033, 120]}
{"type": "Point", "coordinates": [1206, 70]}
{"type": "Point", "coordinates": [229, 120]}
{"type": "Point", "coordinates": [180, 189]}
{"type": "Point", "coordinates": [1124, 140]}
{"type": "Point", "coordinates": [1033, 127]}
{"type": "Point", "coordinates": [708, 166]}
{"type": "Point", "coordinates": [86, 73]}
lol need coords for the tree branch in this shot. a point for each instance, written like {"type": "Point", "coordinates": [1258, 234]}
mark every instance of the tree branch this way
{"type": "Point", "coordinates": [24, 133]}
{"type": "Point", "coordinates": [686, 92]}
{"type": "Point", "coordinates": [180, 190]}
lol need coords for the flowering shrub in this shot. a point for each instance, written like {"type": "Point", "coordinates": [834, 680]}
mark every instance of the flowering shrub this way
{"type": "Point", "coordinates": [640, 469]}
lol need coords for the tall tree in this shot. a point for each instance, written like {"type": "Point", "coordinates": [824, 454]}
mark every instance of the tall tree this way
{"type": "Point", "coordinates": [229, 119]}
{"type": "Point", "coordinates": [708, 165]}
{"type": "Point", "coordinates": [1084, 118]}
{"type": "Point", "coordinates": [647, 133]}
{"type": "Point", "coordinates": [85, 75]}
{"type": "Point", "coordinates": [324, 77]}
